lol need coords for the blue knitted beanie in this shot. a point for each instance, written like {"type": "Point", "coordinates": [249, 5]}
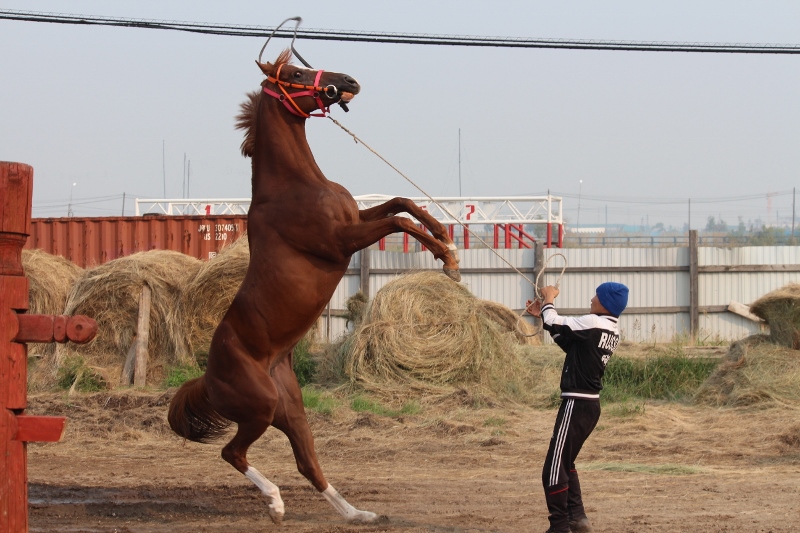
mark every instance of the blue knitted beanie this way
{"type": "Point", "coordinates": [613, 296]}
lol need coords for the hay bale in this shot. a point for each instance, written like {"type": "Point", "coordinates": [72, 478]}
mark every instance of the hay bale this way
{"type": "Point", "coordinates": [754, 371]}
{"type": "Point", "coordinates": [50, 278]}
{"type": "Point", "coordinates": [110, 294]}
{"type": "Point", "coordinates": [510, 321]}
{"type": "Point", "coordinates": [781, 310]}
{"type": "Point", "coordinates": [424, 332]}
{"type": "Point", "coordinates": [209, 293]}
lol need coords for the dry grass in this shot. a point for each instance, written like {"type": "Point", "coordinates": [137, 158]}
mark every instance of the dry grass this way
{"type": "Point", "coordinates": [110, 294]}
{"type": "Point", "coordinates": [755, 371]}
{"type": "Point", "coordinates": [209, 293]}
{"type": "Point", "coordinates": [781, 310]}
{"type": "Point", "coordinates": [423, 333]}
{"type": "Point", "coordinates": [50, 278]}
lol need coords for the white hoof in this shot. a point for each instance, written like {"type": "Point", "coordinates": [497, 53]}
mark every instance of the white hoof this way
{"type": "Point", "coordinates": [276, 515]}
{"type": "Point", "coordinates": [363, 517]}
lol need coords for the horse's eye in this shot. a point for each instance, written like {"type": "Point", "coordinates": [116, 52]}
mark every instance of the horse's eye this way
{"type": "Point", "coordinates": [298, 74]}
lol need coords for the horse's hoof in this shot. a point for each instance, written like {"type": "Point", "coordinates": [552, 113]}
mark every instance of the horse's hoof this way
{"type": "Point", "coordinates": [454, 252]}
{"type": "Point", "coordinates": [277, 517]}
{"type": "Point", "coordinates": [366, 517]}
{"type": "Point", "coordinates": [453, 274]}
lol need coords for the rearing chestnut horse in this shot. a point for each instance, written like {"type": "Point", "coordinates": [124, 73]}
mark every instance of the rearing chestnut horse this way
{"type": "Point", "coordinates": [302, 230]}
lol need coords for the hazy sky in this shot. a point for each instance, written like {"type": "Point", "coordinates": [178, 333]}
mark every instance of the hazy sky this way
{"type": "Point", "coordinates": [93, 105]}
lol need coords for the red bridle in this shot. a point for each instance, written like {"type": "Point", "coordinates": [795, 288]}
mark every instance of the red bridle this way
{"type": "Point", "coordinates": [309, 90]}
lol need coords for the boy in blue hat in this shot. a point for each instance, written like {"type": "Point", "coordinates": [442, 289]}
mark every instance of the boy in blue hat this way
{"type": "Point", "coordinates": [588, 341]}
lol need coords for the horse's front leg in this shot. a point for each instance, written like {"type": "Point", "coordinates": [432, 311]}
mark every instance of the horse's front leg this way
{"type": "Point", "coordinates": [359, 236]}
{"type": "Point", "coordinates": [290, 417]}
{"type": "Point", "coordinates": [404, 205]}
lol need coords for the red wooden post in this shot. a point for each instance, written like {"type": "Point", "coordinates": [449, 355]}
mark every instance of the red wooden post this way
{"type": "Point", "coordinates": [561, 235]}
{"type": "Point", "coordinates": [549, 240]}
{"type": "Point", "coordinates": [405, 243]}
{"type": "Point", "coordinates": [382, 244]}
{"type": "Point", "coordinates": [497, 236]}
{"type": "Point", "coordinates": [17, 428]}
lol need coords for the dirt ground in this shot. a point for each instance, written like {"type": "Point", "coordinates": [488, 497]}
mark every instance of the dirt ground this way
{"type": "Point", "coordinates": [451, 468]}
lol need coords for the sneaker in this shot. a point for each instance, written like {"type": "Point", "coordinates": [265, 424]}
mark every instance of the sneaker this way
{"type": "Point", "coordinates": [581, 525]}
{"type": "Point", "coordinates": [553, 530]}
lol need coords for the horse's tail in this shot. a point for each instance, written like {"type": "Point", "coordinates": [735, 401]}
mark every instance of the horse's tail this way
{"type": "Point", "coordinates": [192, 416]}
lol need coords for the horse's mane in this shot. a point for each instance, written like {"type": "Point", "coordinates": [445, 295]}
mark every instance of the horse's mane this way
{"type": "Point", "coordinates": [246, 119]}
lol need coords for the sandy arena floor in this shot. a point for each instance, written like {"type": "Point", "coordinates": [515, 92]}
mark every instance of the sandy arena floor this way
{"type": "Point", "coordinates": [451, 468]}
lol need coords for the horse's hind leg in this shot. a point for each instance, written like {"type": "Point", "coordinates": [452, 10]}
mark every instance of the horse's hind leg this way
{"type": "Point", "coordinates": [235, 453]}
{"type": "Point", "coordinates": [290, 418]}
{"type": "Point", "coordinates": [252, 406]}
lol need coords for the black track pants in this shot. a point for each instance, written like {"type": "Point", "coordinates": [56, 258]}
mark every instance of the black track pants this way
{"type": "Point", "coordinates": [575, 421]}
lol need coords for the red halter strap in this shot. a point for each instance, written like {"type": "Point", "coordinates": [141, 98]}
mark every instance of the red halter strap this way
{"type": "Point", "coordinates": [288, 98]}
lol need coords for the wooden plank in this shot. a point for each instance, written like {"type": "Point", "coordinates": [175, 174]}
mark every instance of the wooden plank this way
{"type": "Point", "coordinates": [40, 428]}
{"type": "Point", "coordinates": [618, 269]}
{"type": "Point", "coordinates": [8, 428]}
{"type": "Point", "coordinates": [743, 310]}
{"type": "Point", "coordinates": [747, 268]}
{"type": "Point", "coordinates": [364, 272]}
{"type": "Point", "coordinates": [142, 339]}
{"type": "Point", "coordinates": [126, 378]}
{"type": "Point", "coordinates": [694, 287]}
{"type": "Point", "coordinates": [14, 365]}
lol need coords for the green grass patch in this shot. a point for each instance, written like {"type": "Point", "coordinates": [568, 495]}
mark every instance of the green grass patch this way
{"type": "Point", "coordinates": [319, 401]}
{"type": "Point", "coordinates": [362, 404]}
{"type": "Point", "coordinates": [74, 372]}
{"type": "Point", "coordinates": [178, 375]}
{"type": "Point", "coordinates": [305, 367]}
{"type": "Point", "coordinates": [626, 409]}
{"type": "Point", "coordinates": [664, 470]}
{"type": "Point", "coordinates": [494, 422]}
{"type": "Point", "coordinates": [667, 377]}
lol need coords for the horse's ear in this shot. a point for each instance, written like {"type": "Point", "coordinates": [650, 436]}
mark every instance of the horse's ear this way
{"type": "Point", "coordinates": [267, 68]}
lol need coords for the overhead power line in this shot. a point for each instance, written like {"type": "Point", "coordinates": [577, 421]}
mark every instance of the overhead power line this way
{"type": "Point", "coordinates": [401, 38]}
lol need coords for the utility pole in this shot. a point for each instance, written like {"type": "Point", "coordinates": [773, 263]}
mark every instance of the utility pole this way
{"type": "Point", "coordinates": [188, 178]}
{"type": "Point", "coordinates": [69, 206]}
{"type": "Point", "coordinates": [689, 228]}
{"type": "Point", "coordinates": [459, 161]}
{"type": "Point", "coordinates": [164, 165]}
{"type": "Point", "coordinates": [123, 204]}
{"type": "Point", "coordinates": [793, 203]}
{"type": "Point", "coordinates": [578, 221]}
{"type": "Point", "coordinates": [183, 187]}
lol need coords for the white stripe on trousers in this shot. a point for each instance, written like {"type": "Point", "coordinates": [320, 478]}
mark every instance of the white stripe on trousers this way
{"type": "Point", "coordinates": [561, 437]}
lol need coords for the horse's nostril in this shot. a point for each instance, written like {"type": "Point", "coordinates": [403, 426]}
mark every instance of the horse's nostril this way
{"type": "Point", "coordinates": [348, 79]}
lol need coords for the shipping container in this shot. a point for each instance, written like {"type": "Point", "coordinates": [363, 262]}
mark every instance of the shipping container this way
{"type": "Point", "coordinates": [93, 241]}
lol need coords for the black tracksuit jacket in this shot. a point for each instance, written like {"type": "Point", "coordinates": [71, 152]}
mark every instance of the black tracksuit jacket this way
{"type": "Point", "coordinates": [588, 341]}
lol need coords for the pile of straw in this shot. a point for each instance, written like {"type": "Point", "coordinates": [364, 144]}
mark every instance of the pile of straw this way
{"type": "Point", "coordinates": [50, 278]}
{"type": "Point", "coordinates": [209, 293]}
{"type": "Point", "coordinates": [754, 371]}
{"type": "Point", "coordinates": [110, 294]}
{"type": "Point", "coordinates": [424, 332]}
{"type": "Point", "coordinates": [781, 310]}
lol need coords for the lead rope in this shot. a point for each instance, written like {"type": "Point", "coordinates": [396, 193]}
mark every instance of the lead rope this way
{"type": "Point", "coordinates": [466, 228]}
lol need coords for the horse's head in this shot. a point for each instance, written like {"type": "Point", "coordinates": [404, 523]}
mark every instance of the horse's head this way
{"type": "Point", "coordinates": [303, 90]}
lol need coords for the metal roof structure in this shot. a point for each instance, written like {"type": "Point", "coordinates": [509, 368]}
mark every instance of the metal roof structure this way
{"type": "Point", "coordinates": [447, 210]}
